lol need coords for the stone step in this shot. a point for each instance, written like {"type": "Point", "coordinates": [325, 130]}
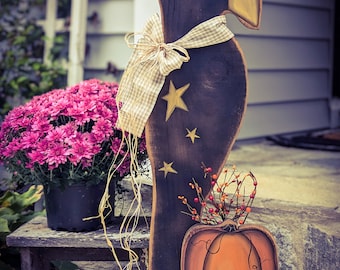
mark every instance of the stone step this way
{"type": "Point", "coordinates": [297, 201]}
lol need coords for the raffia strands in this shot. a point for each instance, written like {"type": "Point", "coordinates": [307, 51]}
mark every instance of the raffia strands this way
{"type": "Point", "coordinates": [134, 212]}
{"type": "Point", "coordinates": [131, 219]}
{"type": "Point", "coordinates": [105, 204]}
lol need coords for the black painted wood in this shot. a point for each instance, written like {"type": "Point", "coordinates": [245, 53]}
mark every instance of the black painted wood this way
{"type": "Point", "coordinates": [216, 102]}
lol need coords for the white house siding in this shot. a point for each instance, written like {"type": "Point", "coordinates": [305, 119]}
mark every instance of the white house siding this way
{"type": "Point", "coordinates": [289, 59]}
{"type": "Point", "coordinates": [290, 67]}
{"type": "Point", "coordinates": [105, 38]}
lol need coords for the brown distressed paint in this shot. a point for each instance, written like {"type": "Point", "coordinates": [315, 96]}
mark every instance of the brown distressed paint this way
{"type": "Point", "coordinates": [216, 102]}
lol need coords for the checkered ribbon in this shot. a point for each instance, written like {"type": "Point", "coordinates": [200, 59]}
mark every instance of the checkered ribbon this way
{"type": "Point", "coordinates": [152, 60]}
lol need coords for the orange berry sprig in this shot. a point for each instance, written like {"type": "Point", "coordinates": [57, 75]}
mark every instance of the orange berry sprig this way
{"type": "Point", "coordinates": [191, 210]}
{"type": "Point", "coordinates": [220, 203]}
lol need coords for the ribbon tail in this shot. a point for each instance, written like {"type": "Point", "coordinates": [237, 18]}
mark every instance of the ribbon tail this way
{"type": "Point", "coordinates": [137, 97]}
{"type": "Point", "coordinates": [248, 12]}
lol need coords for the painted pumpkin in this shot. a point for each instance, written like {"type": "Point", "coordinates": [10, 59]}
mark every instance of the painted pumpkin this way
{"type": "Point", "coordinates": [224, 246]}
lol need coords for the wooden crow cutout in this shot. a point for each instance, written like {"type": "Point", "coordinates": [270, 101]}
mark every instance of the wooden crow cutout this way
{"type": "Point", "coordinates": [195, 115]}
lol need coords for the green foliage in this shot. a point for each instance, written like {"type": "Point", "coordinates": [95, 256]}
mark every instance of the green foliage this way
{"type": "Point", "coordinates": [15, 210]}
{"type": "Point", "coordinates": [23, 73]}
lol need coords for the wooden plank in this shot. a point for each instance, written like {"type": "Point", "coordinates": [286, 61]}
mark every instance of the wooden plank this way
{"type": "Point", "coordinates": [113, 16]}
{"type": "Point", "coordinates": [279, 53]}
{"type": "Point", "coordinates": [40, 258]}
{"type": "Point", "coordinates": [305, 3]}
{"type": "Point", "coordinates": [82, 254]}
{"type": "Point", "coordinates": [26, 259]}
{"type": "Point", "coordinates": [36, 234]}
{"type": "Point", "coordinates": [288, 85]}
{"type": "Point", "coordinates": [104, 49]}
{"type": "Point", "coordinates": [288, 21]}
{"type": "Point", "coordinates": [272, 119]}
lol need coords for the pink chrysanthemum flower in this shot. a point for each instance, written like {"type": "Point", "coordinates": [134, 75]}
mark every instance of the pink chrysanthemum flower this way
{"type": "Point", "coordinates": [66, 133]}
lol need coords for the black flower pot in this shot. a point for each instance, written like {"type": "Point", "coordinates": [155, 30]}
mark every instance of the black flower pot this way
{"type": "Point", "coordinates": [66, 208]}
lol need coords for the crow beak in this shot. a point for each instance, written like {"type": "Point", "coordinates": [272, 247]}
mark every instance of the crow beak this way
{"type": "Point", "coordinates": [247, 11]}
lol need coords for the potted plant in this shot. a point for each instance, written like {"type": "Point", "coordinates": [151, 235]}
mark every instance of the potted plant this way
{"type": "Point", "coordinates": [66, 140]}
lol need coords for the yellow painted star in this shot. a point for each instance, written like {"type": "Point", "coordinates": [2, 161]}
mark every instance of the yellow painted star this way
{"type": "Point", "coordinates": [174, 99]}
{"type": "Point", "coordinates": [192, 135]}
{"type": "Point", "coordinates": [167, 168]}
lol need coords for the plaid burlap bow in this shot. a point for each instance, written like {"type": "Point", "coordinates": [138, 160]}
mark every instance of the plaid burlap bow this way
{"type": "Point", "coordinates": [152, 60]}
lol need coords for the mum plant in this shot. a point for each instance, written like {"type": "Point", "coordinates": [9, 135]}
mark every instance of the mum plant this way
{"type": "Point", "coordinates": [66, 136]}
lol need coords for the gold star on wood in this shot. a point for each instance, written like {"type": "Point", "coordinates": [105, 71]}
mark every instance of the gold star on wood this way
{"type": "Point", "coordinates": [174, 99]}
{"type": "Point", "coordinates": [192, 135]}
{"type": "Point", "coordinates": [167, 168]}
